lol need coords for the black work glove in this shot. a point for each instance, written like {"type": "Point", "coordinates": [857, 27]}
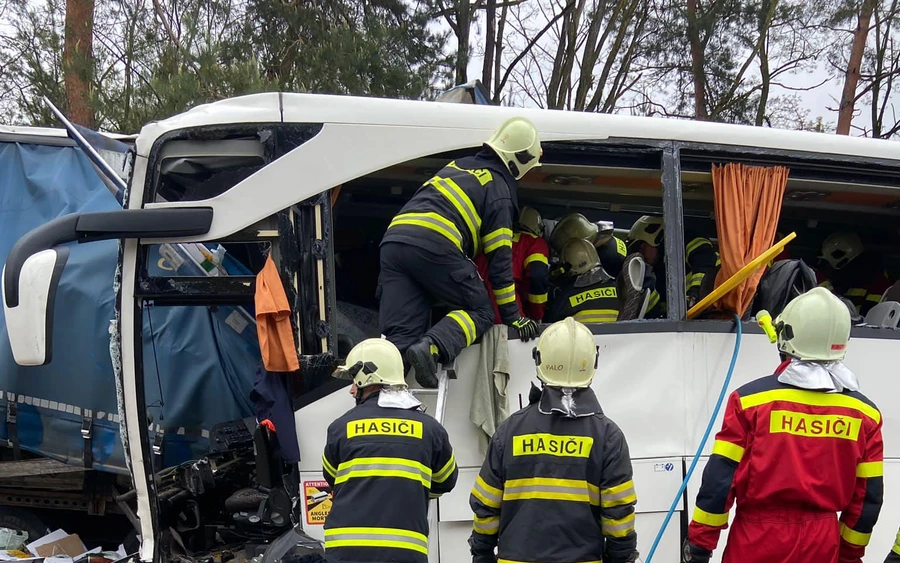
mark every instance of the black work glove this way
{"type": "Point", "coordinates": [526, 328]}
{"type": "Point", "coordinates": [691, 553]}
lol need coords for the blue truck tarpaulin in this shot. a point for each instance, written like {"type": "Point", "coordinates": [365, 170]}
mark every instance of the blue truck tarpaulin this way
{"type": "Point", "coordinates": [199, 363]}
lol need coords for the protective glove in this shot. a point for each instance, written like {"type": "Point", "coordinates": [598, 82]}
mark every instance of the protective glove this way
{"type": "Point", "coordinates": [526, 328]}
{"type": "Point", "coordinates": [691, 553]}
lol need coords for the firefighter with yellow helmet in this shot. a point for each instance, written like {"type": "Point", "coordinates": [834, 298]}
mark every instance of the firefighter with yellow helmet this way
{"type": "Point", "coordinates": [701, 260]}
{"type": "Point", "coordinates": [587, 293]}
{"type": "Point", "coordinates": [383, 448]}
{"type": "Point", "coordinates": [850, 272]}
{"type": "Point", "coordinates": [611, 250]}
{"type": "Point", "coordinates": [796, 448]}
{"type": "Point", "coordinates": [467, 208]}
{"type": "Point", "coordinates": [556, 484]}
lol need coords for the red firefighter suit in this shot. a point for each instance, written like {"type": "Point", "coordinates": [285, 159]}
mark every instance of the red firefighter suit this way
{"type": "Point", "coordinates": [791, 459]}
{"type": "Point", "coordinates": [531, 273]}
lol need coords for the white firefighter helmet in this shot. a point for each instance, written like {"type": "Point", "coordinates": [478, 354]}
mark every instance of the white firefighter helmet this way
{"type": "Point", "coordinates": [530, 220]}
{"type": "Point", "coordinates": [566, 355]}
{"type": "Point", "coordinates": [839, 249]}
{"type": "Point", "coordinates": [648, 229]}
{"type": "Point", "coordinates": [814, 326]}
{"type": "Point", "coordinates": [580, 257]}
{"type": "Point", "coordinates": [573, 225]}
{"type": "Point", "coordinates": [517, 144]}
{"type": "Point", "coordinates": [374, 361]}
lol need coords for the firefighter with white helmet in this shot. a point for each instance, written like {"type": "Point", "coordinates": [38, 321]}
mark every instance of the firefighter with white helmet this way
{"type": "Point", "coordinates": [467, 208]}
{"type": "Point", "coordinates": [646, 236]}
{"type": "Point", "coordinates": [556, 484]}
{"type": "Point", "coordinates": [383, 448]}
{"type": "Point", "coordinates": [588, 293]}
{"type": "Point", "coordinates": [531, 267]}
{"type": "Point", "coordinates": [850, 272]}
{"type": "Point", "coordinates": [610, 249]}
{"type": "Point", "coordinates": [796, 448]}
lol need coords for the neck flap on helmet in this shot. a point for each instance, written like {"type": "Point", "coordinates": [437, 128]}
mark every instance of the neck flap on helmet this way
{"type": "Point", "coordinates": [569, 402]}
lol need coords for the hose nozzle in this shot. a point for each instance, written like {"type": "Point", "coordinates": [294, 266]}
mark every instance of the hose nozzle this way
{"type": "Point", "coordinates": [764, 320]}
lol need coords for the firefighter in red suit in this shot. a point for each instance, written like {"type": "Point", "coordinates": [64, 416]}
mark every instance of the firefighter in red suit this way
{"type": "Point", "coordinates": [531, 270]}
{"type": "Point", "coordinates": [795, 449]}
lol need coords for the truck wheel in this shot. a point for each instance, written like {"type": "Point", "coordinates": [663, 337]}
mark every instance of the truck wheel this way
{"type": "Point", "coordinates": [23, 521]}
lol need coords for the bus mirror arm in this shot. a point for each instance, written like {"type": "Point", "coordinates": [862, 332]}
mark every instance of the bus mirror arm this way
{"type": "Point", "coordinates": [35, 263]}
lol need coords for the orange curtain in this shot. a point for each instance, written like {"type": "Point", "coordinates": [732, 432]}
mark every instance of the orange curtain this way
{"type": "Point", "coordinates": [748, 206]}
{"type": "Point", "coordinates": [273, 321]}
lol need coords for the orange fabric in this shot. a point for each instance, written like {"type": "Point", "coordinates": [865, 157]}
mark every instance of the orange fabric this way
{"type": "Point", "coordinates": [748, 206]}
{"type": "Point", "coordinates": [273, 321]}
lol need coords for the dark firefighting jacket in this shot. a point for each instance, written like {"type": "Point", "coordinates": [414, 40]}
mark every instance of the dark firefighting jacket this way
{"type": "Point", "coordinates": [588, 298]}
{"type": "Point", "coordinates": [701, 261]}
{"type": "Point", "coordinates": [531, 274]}
{"type": "Point", "coordinates": [862, 282]}
{"type": "Point", "coordinates": [782, 446]}
{"type": "Point", "coordinates": [469, 207]}
{"type": "Point", "coordinates": [383, 465]}
{"type": "Point", "coordinates": [555, 488]}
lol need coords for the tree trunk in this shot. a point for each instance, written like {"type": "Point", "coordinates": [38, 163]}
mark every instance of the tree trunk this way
{"type": "Point", "coordinates": [848, 95]}
{"type": "Point", "coordinates": [765, 23]}
{"type": "Point", "coordinates": [463, 23]}
{"type": "Point", "coordinates": [498, 52]}
{"type": "Point", "coordinates": [78, 60]}
{"type": "Point", "coordinates": [697, 62]}
{"type": "Point", "coordinates": [490, 37]}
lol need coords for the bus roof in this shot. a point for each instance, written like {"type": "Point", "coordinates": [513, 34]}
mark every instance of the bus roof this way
{"type": "Point", "coordinates": [552, 124]}
{"type": "Point", "coordinates": [46, 135]}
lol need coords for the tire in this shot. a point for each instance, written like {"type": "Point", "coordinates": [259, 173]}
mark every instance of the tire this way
{"type": "Point", "coordinates": [24, 521]}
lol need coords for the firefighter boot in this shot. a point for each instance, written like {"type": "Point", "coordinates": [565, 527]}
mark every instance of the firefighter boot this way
{"type": "Point", "coordinates": [423, 357]}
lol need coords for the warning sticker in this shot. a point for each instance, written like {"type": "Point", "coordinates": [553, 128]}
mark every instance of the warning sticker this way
{"type": "Point", "coordinates": [318, 501]}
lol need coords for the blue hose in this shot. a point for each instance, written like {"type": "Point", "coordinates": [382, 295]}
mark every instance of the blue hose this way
{"type": "Point", "coordinates": [709, 427]}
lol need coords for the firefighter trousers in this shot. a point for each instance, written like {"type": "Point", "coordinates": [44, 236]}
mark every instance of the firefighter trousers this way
{"type": "Point", "coordinates": [413, 280]}
{"type": "Point", "coordinates": [783, 535]}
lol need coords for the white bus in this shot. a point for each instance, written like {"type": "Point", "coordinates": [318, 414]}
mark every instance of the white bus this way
{"type": "Point", "coordinates": [316, 179]}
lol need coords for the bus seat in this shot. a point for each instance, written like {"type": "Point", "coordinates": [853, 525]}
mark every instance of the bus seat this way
{"type": "Point", "coordinates": [892, 293]}
{"type": "Point", "coordinates": [633, 298]}
{"type": "Point", "coordinates": [884, 315]}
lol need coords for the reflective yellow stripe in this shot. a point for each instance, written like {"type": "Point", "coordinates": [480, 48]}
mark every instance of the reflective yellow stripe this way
{"type": "Point", "coordinates": [896, 548]}
{"type": "Point", "coordinates": [431, 221]}
{"type": "Point", "coordinates": [376, 537]}
{"type": "Point", "coordinates": [653, 301]}
{"type": "Point", "coordinates": [693, 280]}
{"type": "Point", "coordinates": [496, 239]}
{"type": "Point", "coordinates": [874, 298]}
{"type": "Point", "coordinates": [826, 284]}
{"type": "Point", "coordinates": [466, 323]}
{"type": "Point", "coordinates": [483, 175]}
{"type": "Point", "coordinates": [870, 469]}
{"type": "Point", "coordinates": [694, 245]}
{"type": "Point", "coordinates": [620, 247]}
{"type": "Point", "coordinates": [596, 316]}
{"type": "Point", "coordinates": [729, 450]}
{"type": "Point", "coordinates": [383, 467]}
{"type": "Point", "coordinates": [445, 471]}
{"type": "Point", "coordinates": [537, 298]}
{"type": "Point", "coordinates": [573, 490]}
{"type": "Point", "coordinates": [536, 257]}
{"type": "Point", "coordinates": [811, 398]}
{"type": "Point", "coordinates": [458, 198]}
{"type": "Point", "coordinates": [855, 292]}
{"type": "Point", "coordinates": [852, 536]}
{"type": "Point", "coordinates": [505, 295]}
{"type": "Point", "coordinates": [488, 495]}
{"type": "Point", "coordinates": [328, 467]}
{"type": "Point", "coordinates": [618, 495]}
{"type": "Point", "coordinates": [703, 517]}
{"type": "Point", "coordinates": [617, 528]}
{"type": "Point", "coordinates": [489, 526]}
